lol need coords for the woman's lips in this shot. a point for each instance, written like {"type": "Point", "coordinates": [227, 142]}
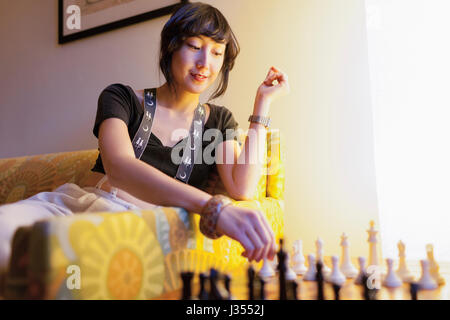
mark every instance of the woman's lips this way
{"type": "Point", "coordinates": [198, 77]}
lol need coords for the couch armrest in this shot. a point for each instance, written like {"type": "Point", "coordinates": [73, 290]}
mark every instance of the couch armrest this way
{"type": "Point", "coordinates": [123, 255]}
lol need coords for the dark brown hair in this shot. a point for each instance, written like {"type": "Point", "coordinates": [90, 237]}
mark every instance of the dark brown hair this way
{"type": "Point", "coordinates": [194, 19]}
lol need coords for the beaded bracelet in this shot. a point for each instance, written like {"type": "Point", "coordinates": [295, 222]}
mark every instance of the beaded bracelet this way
{"type": "Point", "coordinates": [210, 215]}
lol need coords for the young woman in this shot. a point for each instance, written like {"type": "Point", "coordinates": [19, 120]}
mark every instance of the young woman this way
{"type": "Point", "coordinates": [197, 47]}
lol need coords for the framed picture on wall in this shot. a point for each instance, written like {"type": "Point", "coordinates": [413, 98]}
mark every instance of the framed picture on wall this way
{"type": "Point", "coordinates": [83, 18]}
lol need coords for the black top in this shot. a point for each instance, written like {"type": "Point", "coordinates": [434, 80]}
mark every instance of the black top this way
{"type": "Point", "coordinates": [120, 101]}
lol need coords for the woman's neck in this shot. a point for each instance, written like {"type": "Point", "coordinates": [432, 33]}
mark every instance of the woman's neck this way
{"type": "Point", "coordinates": [183, 102]}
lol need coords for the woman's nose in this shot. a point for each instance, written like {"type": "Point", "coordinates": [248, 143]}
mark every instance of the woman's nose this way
{"type": "Point", "coordinates": [202, 59]}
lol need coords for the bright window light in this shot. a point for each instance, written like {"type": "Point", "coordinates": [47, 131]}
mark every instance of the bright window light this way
{"type": "Point", "coordinates": [409, 57]}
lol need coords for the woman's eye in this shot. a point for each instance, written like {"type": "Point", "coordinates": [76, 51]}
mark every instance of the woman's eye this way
{"type": "Point", "coordinates": [193, 47]}
{"type": "Point", "coordinates": [218, 53]}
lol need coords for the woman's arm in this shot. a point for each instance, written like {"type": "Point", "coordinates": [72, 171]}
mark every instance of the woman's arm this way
{"type": "Point", "coordinates": [242, 176]}
{"type": "Point", "coordinates": [140, 179]}
{"type": "Point", "coordinates": [147, 183]}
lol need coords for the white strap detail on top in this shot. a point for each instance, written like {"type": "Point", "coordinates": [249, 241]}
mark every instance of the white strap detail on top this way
{"type": "Point", "coordinates": [102, 181]}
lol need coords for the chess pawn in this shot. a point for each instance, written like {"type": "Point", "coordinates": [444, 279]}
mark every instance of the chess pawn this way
{"type": "Point", "coordinates": [362, 270]}
{"type": "Point", "coordinates": [310, 274]}
{"type": "Point", "coordinates": [373, 256]}
{"type": "Point", "coordinates": [186, 277]}
{"type": "Point", "coordinates": [204, 287]}
{"type": "Point", "coordinates": [426, 281]}
{"type": "Point", "coordinates": [227, 283]}
{"type": "Point", "coordinates": [402, 270]}
{"type": "Point", "coordinates": [319, 247]}
{"type": "Point", "coordinates": [266, 270]}
{"type": "Point", "coordinates": [391, 280]}
{"type": "Point", "coordinates": [290, 274]}
{"type": "Point", "coordinates": [298, 259]}
{"type": "Point", "coordinates": [336, 276]}
{"type": "Point", "coordinates": [347, 267]}
{"type": "Point", "coordinates": [434, 267]}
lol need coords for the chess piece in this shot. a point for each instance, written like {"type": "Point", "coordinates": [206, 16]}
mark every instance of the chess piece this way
{"type": "Point", "coordinates": [290, 274]}
{"type": "Point", "coordinates": [362, 270]}
{"type": "Point", "coordinates": [310, 274]}
{"type": "Point", "coordinates": [347, 267]}
{"type": "Point", "coordinates": [336, 276]}
{"type": "Point", "coordinates": [434, 267]}
{"type": "Point", "coordinates": [186, 277]}
{"type": "Point", "coordinates": [259, 288]}
{"type": "Point", "coordinates": [319, 256]}
{"type": "Point", "coordinates": [426, 281]}
{"type": "Point", "coordinates": [266, 270]}
{"type": "Point", "coordinates": [373, 256]}
{"type": "Point", "coordinates": [282, 271]}
{"type": "Point", "coordinates": [320, 281]}
{"type": "Point", "coordinates": [370, 291]}
{"type": "Point", "coordinates": [204, 287]}
{"type": "Point", "coordinates": [391, 279]}
{"type": "Point", "coordinates": [402, 270]}
{"type": "Point", "coordinates": [251, 282]}
{"type": "Point", "coordinates": [413, 289]}
{"type": "Point", "coordinates": [298, 259]}
{"type": "Point", "coordinates": [292, 286]}
{"type": "Point", "coordinates": [336, 290]}
{"type": "Point", "coordinates": [216, 291]}
{"type": "Point", "coordinates": [227, 282]}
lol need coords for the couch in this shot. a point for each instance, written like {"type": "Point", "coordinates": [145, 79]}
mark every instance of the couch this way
{"type": "Point", "coordinates": [122, 255]}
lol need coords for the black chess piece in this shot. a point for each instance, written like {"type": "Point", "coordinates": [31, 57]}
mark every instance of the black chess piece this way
{"type": "Point", "coordinates": [187, 285]}
{"type": "Point", "coordinates": [364, 279]}
{"type": "Point", "coordinates": [204, 287]}
{"type": "Point", "coordinates": [259, 292]}
{"type": "Point", "coordinates": [292, 286]}
{"type": "Point", "coordinates": [369, 291]}
{"type": "Point", "coordinates": [320, 281]}
{"type": "Point", "coordinates": [336, 289]}
{"type": "Point", "coordinates": [262, 290]}
{"type": "Point", "coordinates": [251, 282]}
{"type": "Point", "coordinates": [413, 290]}
{"type": "Point", "coordinates": [227, 282]}
{"type": "Point", "coordinates": [281, 254]}
{"type": "Point", "coordinates": [215, 293]}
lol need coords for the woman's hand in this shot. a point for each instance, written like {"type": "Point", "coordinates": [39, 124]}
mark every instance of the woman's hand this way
{"type": "Point", "coordinates": [270, 90]}
{"type": "Point", "coordinates": [251, 229]}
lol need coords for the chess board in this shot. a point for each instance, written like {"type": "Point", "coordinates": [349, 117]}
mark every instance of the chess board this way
{"type": "Point", "coordinates": [307, 290]}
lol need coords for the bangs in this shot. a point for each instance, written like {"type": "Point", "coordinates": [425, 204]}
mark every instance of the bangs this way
{"type": "Point", "coordinates": [210, 25]}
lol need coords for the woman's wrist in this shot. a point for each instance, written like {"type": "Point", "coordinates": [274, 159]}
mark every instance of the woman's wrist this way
{"type": "Point", "coordinates": [262, 106]}
{"type": "Point", "coordinates": [210, 215]}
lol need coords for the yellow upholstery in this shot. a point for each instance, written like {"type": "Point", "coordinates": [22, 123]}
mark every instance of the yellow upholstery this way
{"type": "Point", "coordinates": [127, 255]}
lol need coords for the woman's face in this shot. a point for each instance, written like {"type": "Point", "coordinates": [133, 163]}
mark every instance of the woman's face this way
{"type": "Point", "coordinates": [197, 63]}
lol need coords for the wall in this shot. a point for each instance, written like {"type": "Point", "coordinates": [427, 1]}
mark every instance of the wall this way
{"type": "Point", "coordinates": [50, 92]}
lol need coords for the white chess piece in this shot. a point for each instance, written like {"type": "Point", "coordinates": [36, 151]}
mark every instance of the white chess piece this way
{"type": "Point", "coordinates": [362, 270]}
{"type": "Point", "coordinates": [347, 267]}
{"type": "Point", "coordinates": [336, 276]}
{"type": "Point", "coordinates": [373, 256]}
{"type": "Point", "coordinates": [434, 267]}
{"type": "Point", "coordinates": [391, 280]}
{"type": "Point", "coordinates": [402, 270]}
{"type": "Point", "coordinates": [266, 270]}
{"type": "Point", "coordinates": [426, 281]}
{"type": "Point", "coordinates": [319, 256]}
{"type": "Point", "coordinates": [311, 273]}
{"type": "Point", "coordinates": [290, 274]}
{"type": "Point", "coordinates": [298, 259]}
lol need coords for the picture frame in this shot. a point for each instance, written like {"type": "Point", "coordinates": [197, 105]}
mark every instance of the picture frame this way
{"type": "Point", "coordinates": [79, 19]}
